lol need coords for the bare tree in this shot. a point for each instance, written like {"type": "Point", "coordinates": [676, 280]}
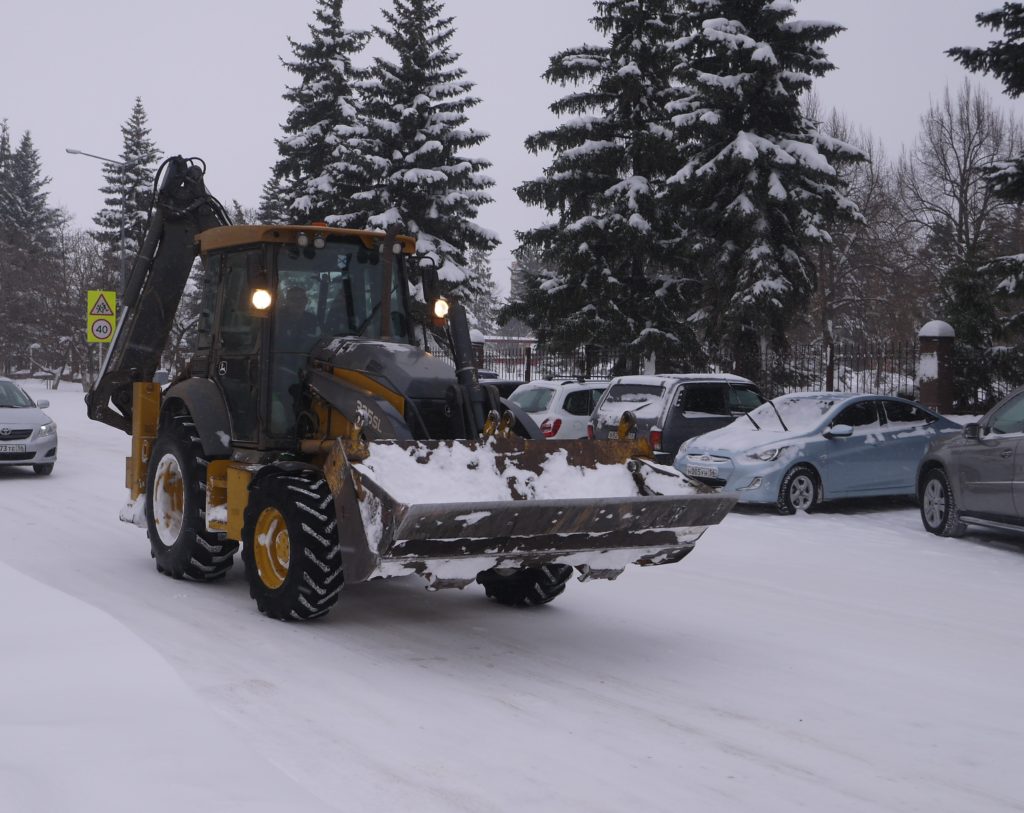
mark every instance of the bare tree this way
{"type": "Point", "coordinates": [960, 223]}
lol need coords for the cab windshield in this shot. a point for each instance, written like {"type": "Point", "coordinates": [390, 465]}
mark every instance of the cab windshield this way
{"type": "Point", "coordinates": [333, 291]}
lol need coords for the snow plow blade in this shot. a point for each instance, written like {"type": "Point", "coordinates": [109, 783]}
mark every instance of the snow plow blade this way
{"type": "Point", "coordinates": [449, 510]}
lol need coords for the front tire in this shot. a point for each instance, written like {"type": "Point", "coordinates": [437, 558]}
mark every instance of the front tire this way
{"type": "Point", "coordinates": [526, 587]}
{"type": "Point", "coordinates": [43, 469]}
{"type": "Point", "coordinates": [176, 507]}
{"type": "Point", "coordinates": [938, 506]}
{"type": "Point", "coordinates": [290, 546]}
{"type": "Point", "coordinates": [800, 490]}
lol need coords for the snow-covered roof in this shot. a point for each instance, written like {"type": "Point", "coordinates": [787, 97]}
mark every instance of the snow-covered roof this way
{"type": "Point", "coordinates": [664, 378]}
{"type": "Point", "coordinates": [937, 329]}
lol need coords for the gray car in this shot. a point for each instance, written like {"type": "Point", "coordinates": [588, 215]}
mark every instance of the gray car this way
{"type": "Point", "coordinates": [672, 408]}
{"type": "Point", "coordinates": [977, 476]}
{"type": "Point", "coordinates": [27, 435]}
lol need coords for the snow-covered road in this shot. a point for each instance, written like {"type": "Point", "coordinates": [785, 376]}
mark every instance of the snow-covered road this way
{"type": "Point", "coordinates": [842, 661]}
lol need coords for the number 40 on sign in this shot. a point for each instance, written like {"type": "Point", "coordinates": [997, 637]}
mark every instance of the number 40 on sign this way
{"type": "Point", "coordinates": [100, 320]}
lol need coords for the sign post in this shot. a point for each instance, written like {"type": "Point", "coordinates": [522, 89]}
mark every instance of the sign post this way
{"type": "Point", "coordinates": [100, 319]}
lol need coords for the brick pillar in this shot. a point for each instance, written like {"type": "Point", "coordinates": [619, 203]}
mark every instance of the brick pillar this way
{"type": "Point", "coordinates": [935, 368]}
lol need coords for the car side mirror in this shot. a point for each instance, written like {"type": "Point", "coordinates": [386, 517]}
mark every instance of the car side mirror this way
{"type": "Point", "coordinates": [972, 431]}
{"type": "Point", "coordinates": [841, 430]}
{"type": "Point", "coordinates": [43, 404]}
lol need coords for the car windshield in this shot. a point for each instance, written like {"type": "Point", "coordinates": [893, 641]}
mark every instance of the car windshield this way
{"type": "Point", "coordinates": [534, 399]}
{"type": "Point", "coordinates": [799, 412]}
{"type": "Point", "coordinates": [11, 395]}
{"type": "Point", "coordinates": [633, 393]}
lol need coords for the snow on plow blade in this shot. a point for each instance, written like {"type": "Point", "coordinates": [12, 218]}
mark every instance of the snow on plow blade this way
{"type": "Point", "coordinates": [449, 510]}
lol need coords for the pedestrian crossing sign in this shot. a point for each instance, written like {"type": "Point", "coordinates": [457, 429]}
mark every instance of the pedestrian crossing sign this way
{"type": "Point", "coordinates": [100, 315]}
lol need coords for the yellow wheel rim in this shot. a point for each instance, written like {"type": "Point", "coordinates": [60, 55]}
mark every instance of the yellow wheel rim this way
{"type": "Point", "coordinates": [168, 500]}
{"type": "Point", "coordinates": [272, 548]}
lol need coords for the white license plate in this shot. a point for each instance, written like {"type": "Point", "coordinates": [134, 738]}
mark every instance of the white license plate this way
{"type": "Point", "coordinates": [702, 471]}
{"type": "Point", "coordinates": [13, 449]}
{"type": "Point", "coordinates": [615, 436]}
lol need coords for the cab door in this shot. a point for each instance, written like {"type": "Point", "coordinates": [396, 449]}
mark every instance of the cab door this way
{"type": "Point", "coordinates": [238, 346]}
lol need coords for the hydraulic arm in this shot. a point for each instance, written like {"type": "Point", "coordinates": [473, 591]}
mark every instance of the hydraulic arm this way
{"type": "Point", "coordinates": [182, 208]}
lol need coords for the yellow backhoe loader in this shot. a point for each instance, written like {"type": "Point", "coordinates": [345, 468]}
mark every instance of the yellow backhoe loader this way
{"type": "Point", "coordinates": [312, 428]}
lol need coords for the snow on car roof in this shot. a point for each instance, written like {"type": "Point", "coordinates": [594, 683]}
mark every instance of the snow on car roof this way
{"type": "Point", "coordinates": [664, 378]}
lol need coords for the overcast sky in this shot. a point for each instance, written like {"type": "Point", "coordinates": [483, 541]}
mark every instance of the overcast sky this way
{"type": "Point", "coordinates": [210, 77]}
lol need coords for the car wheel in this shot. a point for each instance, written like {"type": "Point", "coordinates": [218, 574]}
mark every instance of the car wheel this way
{"type": "Point", "coordinates": [938, 506]}
{"type": "Point", "coordinates": [43, 468]}
{"type": "Point", "coordinates": [800, 490]}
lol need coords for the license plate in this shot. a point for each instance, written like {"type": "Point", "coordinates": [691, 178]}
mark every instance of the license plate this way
{"type": "Point", "coordinates": [615, 436]}
{"type": "Point", "coordinates": [702, 471]}
{"type": "Point", "coordinates": [13, 449]}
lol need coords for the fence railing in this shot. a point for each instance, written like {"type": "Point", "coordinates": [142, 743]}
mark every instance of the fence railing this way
{"type": "Point", "coordinates": [886, 368]}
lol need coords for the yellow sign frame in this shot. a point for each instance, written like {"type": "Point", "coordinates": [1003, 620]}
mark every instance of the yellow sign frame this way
{"type": "Point", "coordinates": [100, 316]}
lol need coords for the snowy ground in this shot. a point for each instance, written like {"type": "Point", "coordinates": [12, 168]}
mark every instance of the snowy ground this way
{"type": "Point", "coordinates": [843, 661]}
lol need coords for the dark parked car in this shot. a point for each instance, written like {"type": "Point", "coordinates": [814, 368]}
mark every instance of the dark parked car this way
{"type": "Point", "coordinates": [673, 408]}
{"type": "Point", "coordinates": [976, 477]}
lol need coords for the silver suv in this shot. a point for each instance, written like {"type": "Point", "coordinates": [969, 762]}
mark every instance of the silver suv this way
{"type": "Point", "coordinates": [976, 477]}
{"type": "Point", "coordinates": [672, 408]}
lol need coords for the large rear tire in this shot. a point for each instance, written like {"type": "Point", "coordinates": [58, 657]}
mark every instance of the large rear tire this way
{"type": "Point", "coordinates": [290, 546]}
{"type": "Point", "coordinates": [176, 507]}
{"type": "Point", "coordinates": [526, 587]}
{"type": "Point", "coordinates": [938, 506]}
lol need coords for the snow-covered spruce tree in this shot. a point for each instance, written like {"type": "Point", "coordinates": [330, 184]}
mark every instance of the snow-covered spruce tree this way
{"type": "Point", "coordinates": [28, 252]}
{"type": "Point", "coordinates": [319, 168]}
{"type": "Point", "coordinates": [425, 183]}
{"type": "Point", "coordinates": [608, 275]}
{"type": "Point", "coordinates": [128, 191]}
{"type": "Point", "coordinates": [272, 207]}
{"type": "Point", "coordinates": [757, 177]}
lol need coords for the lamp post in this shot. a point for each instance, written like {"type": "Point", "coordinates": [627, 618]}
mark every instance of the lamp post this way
{"type": "Point", "coordinates": [125, 166]}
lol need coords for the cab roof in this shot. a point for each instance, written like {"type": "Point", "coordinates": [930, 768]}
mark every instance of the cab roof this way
{"type": "Point", "coordinates": [230, 236]}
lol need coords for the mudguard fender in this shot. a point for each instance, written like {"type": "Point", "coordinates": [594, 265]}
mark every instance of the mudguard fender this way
{"type": "Point", "coordinates": [204, 402]}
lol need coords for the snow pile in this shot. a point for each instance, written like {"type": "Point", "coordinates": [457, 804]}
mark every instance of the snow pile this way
{"type": "Point", "coordinates": [458, 472]}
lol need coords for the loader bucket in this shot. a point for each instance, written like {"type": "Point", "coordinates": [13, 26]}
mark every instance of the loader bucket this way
{"type": "Point", "coordinates": [449, 510]}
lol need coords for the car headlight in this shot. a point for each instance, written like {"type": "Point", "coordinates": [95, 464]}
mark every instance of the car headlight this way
{"type": "Point", "coordinates": [47, 429]}
{"type": "Point", "coordinates": [767, 455]}
{"type": "Point", "coordinates": [682, 449]}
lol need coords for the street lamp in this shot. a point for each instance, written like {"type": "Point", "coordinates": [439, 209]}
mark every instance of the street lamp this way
{"type": "Point", "coordinates": [125, 166]}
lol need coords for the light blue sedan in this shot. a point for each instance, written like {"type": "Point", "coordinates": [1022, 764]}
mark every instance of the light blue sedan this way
{"type": "Point", "coordinates": [803, 448]}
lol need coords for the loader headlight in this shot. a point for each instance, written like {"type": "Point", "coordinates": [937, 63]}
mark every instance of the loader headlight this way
{"type": "Point", "coordinates": [47, 429]}
{"type": "Point", "coordinates": [767, 455]}
{"type": "Point", "coordinates": [441, 307]}
{"type": "Point", "coordinates": [261, 299]}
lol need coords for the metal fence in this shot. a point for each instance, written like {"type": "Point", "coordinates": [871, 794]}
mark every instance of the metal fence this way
{"type": "Point", "coordinates": [885, 368]}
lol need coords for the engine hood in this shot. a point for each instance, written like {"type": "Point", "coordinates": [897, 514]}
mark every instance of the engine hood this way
{"type": "Point", "coordinates": [402, 368]}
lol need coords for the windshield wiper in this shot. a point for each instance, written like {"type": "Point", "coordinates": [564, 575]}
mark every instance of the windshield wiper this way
{"type": "Point", "coordinates": [758, 428]}
{"type": "Point", "coordinates": [784, 427]}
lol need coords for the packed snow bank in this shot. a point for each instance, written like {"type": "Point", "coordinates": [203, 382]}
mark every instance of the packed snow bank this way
{"type": "Point", "coordinates": [94, 720]}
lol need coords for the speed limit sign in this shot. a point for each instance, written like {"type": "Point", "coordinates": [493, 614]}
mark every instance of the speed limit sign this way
{"type": "Point", "coordinates": [100, 330]}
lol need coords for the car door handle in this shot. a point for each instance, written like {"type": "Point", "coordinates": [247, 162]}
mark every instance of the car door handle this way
{"type": "Point", "coordinates": [1006, 453]}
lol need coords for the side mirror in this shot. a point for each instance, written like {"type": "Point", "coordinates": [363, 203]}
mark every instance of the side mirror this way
{"type": "Point", "coordinates": [972, 431]}
{"type": "Point", "coordinates": [839, 431]}
{"type": "Point", "coordinates": [43, 404]}
{"type": "Point", "coordinates": [427, 269]}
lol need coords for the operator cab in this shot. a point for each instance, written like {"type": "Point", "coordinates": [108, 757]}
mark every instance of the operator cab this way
{"type": "Point", "coordinates": [278, 298]}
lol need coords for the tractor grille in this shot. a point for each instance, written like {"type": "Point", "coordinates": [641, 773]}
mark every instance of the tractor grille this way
{"type": "Point", "coordinates": [14, 434]}
{"type": "Point", "coordinates": [441, 418]}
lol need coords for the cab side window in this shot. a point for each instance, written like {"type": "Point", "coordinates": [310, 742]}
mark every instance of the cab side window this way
{"type": "Point", "coordinates": [863, 413]}
{"type": "Point", "coordinates": [239, 328]}
{"type": "Point", "coordinates": [1010, 419]}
